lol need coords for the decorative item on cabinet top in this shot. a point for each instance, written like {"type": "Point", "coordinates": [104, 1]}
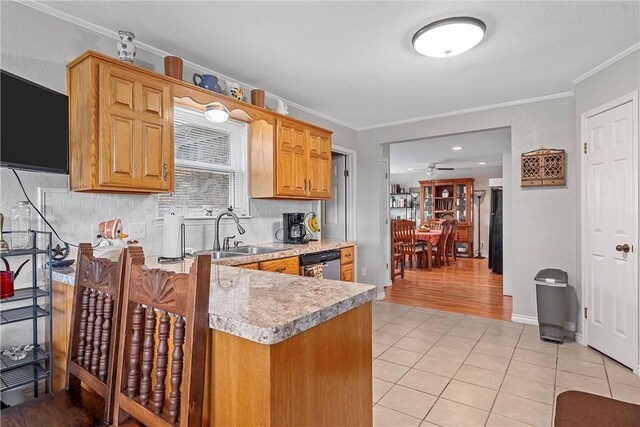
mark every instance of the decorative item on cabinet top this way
{"type": "Point", "coordinates": [125, 46]}
{"type": "Point", "coordinates": [543, 167]}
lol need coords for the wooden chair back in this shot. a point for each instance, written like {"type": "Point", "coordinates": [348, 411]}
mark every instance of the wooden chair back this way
{"type": "Point", "coordinates": [450, 247]}
{"type": "Point", "coordinates": [95, 325]}
{"type": "Point", "coordinates": [442, 243]}
{"type": "Point", "coordinates": [181, 302]}
{"type": "Point", "coordinates": [405, 233]}
{"type": "Point", "coordinates": [435, 224]}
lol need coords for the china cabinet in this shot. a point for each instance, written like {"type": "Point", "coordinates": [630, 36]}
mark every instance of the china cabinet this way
{"type": "Point", "coordinates": [448, 200]}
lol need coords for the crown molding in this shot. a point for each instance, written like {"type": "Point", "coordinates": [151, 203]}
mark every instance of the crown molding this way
{"type": "Point", "coordinates": [162, 53]}
{"type": "Point", "coordinates": [606, 64]}
{"type": "Point", "coordinates": [470, 110]}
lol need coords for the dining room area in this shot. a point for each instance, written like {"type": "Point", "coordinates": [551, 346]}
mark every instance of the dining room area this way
{"type": "Point", "coordinates": [446, 224]}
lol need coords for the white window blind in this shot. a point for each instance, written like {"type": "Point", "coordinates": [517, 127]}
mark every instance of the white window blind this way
{"type": "Point", "coordinates": [210, 166]}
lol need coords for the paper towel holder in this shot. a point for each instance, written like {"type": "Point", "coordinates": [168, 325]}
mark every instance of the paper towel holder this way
{"type": "Point", "coordinates": [163, 259]}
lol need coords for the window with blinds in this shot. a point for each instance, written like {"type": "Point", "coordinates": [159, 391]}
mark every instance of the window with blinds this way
{"type": "Point", "coordinates": [210, 166]}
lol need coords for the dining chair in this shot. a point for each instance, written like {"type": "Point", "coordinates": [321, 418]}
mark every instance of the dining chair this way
{"type": "Point", "coordinates": [397, 252]}
{"type": "Point", "coordinates": [87, 398]}
{"type": "Point", "coordinates": [413, 250]}
{"type": "Point", "coordinates": [450, 247]}
{"type": "Point", "coordinates": [439, 249]}
{"type": "Point", "coordinates": [435, 224]}
{"type": "Point", "coordinates": [173, 307]}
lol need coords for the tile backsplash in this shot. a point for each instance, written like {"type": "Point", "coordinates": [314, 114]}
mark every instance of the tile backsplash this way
{"type": "Point", "coordinates": [76, 216]}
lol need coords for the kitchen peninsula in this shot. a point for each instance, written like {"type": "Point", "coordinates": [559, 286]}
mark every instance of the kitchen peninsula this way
{"type": "Point", "coordinates": [283, 349]}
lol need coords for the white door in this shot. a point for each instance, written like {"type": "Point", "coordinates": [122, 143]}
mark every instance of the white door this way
{"type": "Point", "coordinates": [334, 210]}
{"type": "Point", "coordinates": [612, 221]}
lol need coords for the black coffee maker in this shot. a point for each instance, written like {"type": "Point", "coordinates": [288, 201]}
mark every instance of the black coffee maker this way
{"type": "Point", "coordinates": [294, 228]}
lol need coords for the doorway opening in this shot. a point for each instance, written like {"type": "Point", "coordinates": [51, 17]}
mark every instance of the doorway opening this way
{"type": "Point", "coordinates": [338, 213]}
{"type": "Point", "coordinates": [446, 205]}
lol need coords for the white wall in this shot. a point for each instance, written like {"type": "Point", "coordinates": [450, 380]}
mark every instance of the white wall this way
{"type": "Point", "coordinates": [543, 220]}
{"type": "Point", "coordinates": [481, 176]}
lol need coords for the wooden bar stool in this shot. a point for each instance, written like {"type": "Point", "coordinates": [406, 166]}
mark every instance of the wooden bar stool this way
{"type": "Point", "coordinates": [181, 302]}
{"type": "Point", "coordinates": [93, 349]}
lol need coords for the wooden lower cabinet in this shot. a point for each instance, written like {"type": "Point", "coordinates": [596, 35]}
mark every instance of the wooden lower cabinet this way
{"type": "Point", "coordinates": [347, 269]}
{"type": "Point", "coordinates": [251, 266]}
{"type": "Point", "coordinates": [296, 382]}
{"type": "Point", "coordinates": [62, 300]}
{"type": "Point", "coordinates": [289, 265]}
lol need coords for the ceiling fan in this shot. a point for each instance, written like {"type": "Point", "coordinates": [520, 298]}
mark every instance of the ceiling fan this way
{"type": "Point", "coordinates": [433, 167]}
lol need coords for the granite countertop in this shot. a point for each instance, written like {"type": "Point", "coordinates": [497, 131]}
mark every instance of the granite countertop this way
{"type": "Point", "coordinates": [267, 307]}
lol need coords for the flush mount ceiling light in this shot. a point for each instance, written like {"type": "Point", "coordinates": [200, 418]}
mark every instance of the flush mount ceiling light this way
{"type": "Point", "coordinates": [482, 163]}
{"type": "Point", "coordinates": [216, 113]}
{"type": "Point", "coordinates": [449, 37]}
{"type": "Point", "coordinates": [410, 169]}
{"type": "Point", "coordinates": [456, 148]}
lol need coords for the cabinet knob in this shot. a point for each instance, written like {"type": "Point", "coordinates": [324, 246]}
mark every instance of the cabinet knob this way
{"type": "Point", "coordinates": [165, 171]}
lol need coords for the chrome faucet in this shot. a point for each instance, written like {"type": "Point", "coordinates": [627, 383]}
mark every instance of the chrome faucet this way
{"type": "Point", "coordinates": [216, 236]}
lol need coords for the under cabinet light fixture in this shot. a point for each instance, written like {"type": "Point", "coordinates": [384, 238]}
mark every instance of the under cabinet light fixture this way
{"type": "Point", "coordinates": [216, 113]}
{"type": "Point", "coordinates": [449, 37]}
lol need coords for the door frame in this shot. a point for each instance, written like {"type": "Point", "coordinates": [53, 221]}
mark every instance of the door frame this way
{"type": "Point", "coordinates": [633, 98]}
{"type": "Point", "coordinates": [350, 190]}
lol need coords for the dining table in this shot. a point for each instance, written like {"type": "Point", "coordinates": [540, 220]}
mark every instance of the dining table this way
{"type": "Point", "coordinates": [431, 238]}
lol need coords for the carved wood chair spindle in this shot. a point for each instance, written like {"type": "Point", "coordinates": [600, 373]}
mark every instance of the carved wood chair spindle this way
{"type": "Point", "coordinates": [174, 308]}
{"type": "Point", "coordinates": [93, 348]}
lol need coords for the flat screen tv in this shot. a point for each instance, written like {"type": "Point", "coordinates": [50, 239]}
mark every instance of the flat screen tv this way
{"type": "Point", "coordinates": [34, 126]}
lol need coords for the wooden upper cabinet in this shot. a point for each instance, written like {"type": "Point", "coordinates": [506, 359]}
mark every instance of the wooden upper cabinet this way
{"type": "Point", "coordinates": [292, 159]}
{"type": "Point", "coordinates": [319, 171]}
{"type": "Point", "coordinates": [120, 129]}
{"type": "Point", "coordinates": [294, 162]}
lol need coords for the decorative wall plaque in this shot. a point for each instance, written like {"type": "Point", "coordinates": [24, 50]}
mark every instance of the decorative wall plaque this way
{"type": "Point", "coordinates": [544, 167]}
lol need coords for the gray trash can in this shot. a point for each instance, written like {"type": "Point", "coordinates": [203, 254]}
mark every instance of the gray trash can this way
{"type": "Point", "coordinates": [550, 288]}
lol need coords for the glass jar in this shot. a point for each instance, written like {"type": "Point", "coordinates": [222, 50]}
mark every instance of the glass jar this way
{"type": "Point", "coordinates": [20, 226]}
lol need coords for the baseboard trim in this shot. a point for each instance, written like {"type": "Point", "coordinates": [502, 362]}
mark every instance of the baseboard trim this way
{"type": "Point", "coordinates": [527, 320]}
{"type": "Point", "coordinates": [569, 327]}
{"type": "Point", "coordinates": [578, 339]}
{"type": "Point", "coordinates": [380, 296]}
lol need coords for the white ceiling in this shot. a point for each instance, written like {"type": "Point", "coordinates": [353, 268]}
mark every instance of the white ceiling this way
{"type": "Point", "coordinates": [482, 146]}
{"type": "Point", "coordinates": [353, 61]}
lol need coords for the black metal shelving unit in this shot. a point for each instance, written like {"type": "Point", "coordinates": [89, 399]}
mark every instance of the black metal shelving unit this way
{"type": "Point", "coordinates": [32, 303]}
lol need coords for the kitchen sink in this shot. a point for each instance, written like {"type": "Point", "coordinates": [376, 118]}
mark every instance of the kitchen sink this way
{"type": "Point", "coordinates": [253, 250]}
{"type": "Point", "coordinates": [219, 254]}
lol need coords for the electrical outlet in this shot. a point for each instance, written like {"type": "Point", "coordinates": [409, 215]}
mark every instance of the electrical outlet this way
{"type": "Point", "coordinates": [363, 271]}
{"type": "Point", "coordinates": [481, 245]}
{"type": "Point", "coordinates": [137, 230]}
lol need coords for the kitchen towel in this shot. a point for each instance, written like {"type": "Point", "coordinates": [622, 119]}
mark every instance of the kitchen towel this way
{"type": "Point", "coordinates": [172, 236]}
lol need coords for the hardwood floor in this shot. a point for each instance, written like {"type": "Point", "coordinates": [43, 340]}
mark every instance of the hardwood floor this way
{"type": "Point", "coordinates": [468, 287]}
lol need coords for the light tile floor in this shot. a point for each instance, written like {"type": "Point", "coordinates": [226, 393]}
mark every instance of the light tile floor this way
{"type": "Point", "coordinates": [439, 368]}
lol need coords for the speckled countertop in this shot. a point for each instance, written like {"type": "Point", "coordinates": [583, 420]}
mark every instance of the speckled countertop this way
{"type": "Point", "coordinates": [267, 307]}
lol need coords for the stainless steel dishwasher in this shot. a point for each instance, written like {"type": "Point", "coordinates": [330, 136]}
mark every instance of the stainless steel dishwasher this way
{"type": "Point", "coordinates": [325, 265]}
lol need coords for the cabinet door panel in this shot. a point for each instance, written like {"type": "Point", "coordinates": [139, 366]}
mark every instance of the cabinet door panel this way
{"type": "Point", "coordinates": [117, 152]}
{"type": "Point", "coordinates": [291, 159]}
{"type": "Point", "coordinates": [122, 92]}
{"type": "Point", "coordinates": [289, 265]}
{"type": "Point", "coordinates": [151, 102]}
{"type": "Point", "coordinates": [346, 273]}
{"type": "Point", "coordinates": [136, 135]}
{"type": "Point", "coordinates": [319, 171]}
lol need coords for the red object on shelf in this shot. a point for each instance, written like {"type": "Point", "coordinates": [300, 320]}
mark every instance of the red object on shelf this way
{"type": "Point", "coordinates": [6, 284]}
